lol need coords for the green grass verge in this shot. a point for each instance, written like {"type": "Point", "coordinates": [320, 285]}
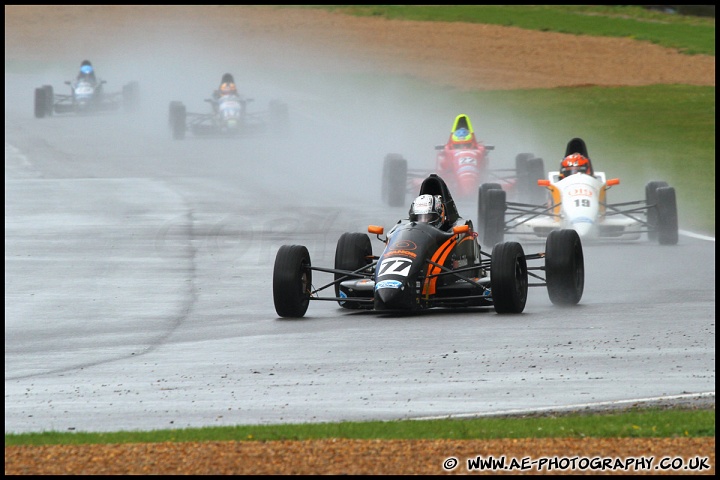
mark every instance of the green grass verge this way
{"type": "Point", "coordinates": [688, 34]}
{"type": "Point", "coordinates": [658, 132]}
{"type": "Point", "coordinates": [651, 422]}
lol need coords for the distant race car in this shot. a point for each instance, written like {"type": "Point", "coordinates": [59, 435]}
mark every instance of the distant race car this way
{"type": "Point", "coordinates": [465, 164]}
{"type": "Point", "coordinates": [579, 202]}
{"type": "Point", "coordinates": [229, 117]}
{"type": "Point", "coordinates": [423, 266]}
{"type": "Point", "coordinates": [85, 97]}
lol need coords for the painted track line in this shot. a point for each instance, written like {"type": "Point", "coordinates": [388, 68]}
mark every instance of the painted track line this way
{"type": "Point", "coordinates": [578, 406]}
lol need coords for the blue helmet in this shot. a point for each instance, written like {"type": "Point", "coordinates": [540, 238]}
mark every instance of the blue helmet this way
{"type": "Point", "coordinates": [462, 133]}
{"type": "Point", "coordinates": [86, 69]}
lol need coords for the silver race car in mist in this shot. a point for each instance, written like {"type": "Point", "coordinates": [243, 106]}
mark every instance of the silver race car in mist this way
{"type": "Point", "coordinates": [84, 98]}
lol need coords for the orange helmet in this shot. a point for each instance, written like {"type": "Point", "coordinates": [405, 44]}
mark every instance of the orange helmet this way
{"type": "Point", "coordinates": [228, 88]}
{"type": "Point", "coordinates": [575, 163]}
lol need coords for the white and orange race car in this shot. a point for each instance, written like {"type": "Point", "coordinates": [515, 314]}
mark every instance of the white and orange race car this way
{"type": "Point", "coordinates": [228, 117]}
{"type": "Point", "coordinates": [579, 201]}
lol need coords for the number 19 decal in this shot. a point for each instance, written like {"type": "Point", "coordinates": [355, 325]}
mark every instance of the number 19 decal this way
{"type": "Point", "coordinates": [395, 266]}
{"type": "Point", "coordinates": [582, 202]}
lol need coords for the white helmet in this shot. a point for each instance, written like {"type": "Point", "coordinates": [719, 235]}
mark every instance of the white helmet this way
{"type": "Point", "coordinates": [428, 209]}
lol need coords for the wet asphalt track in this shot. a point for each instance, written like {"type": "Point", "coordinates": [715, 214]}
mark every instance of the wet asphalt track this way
{"type": "Point", "coordinates": [138, 290]}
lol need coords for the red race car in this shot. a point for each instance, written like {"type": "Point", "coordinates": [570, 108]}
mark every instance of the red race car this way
{"type": "Point", "coordinates": [464, 162]}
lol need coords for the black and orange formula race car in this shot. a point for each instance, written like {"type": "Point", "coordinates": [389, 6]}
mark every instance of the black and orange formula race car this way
{"type": "Point", "coordinates": [423, 266]}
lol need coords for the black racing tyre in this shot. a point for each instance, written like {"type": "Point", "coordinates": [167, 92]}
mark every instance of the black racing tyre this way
{"type": "Point", "coordinates": [531, 192]}
{"type": "Point", "coordinates": [394, 180]}
{"type": "Point", "coordinates": [564, 267]}
{"type": "Point", "coordinates": [178, 116]}
{"type": "Point", "coordinates": [173, 106]}
{"type": "Point", "coordinates": [482, 203]}
{"type": "Point", "coordinates": [40, 103]}
{"type": "Point", "coordinates": [667, 226]}
{"type": "Point", "coordinates": [652, 213]}
{"type": "Point", "coordinates": [49, 99]}
{"type": "Point", "coordinates": [494, 217]}
{"type": "Point", "coordinates": [508, 277]}
{"type": "Point", "coordinates": [292, 281]}
{"type": "Point", "coordinates": [521, 176]}
{"type": "Point", "coordinates": [528, 169]}
{"type": "Point", "coordinates": [353, 251]}
{"type": "Point", "coordinates": [131, 96]}
{"type": "Point", "coordinates": [521, 160]}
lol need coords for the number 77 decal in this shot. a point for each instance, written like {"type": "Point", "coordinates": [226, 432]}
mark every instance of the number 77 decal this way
{"type": "Point", "coordinates": [395, 266]}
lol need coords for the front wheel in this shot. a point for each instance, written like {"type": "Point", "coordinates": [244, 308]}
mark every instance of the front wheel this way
{"type": "Point", "coordinates": [564, 267]}
{"type": "Point", "coordinates": [292, 281]}
{"type": "Point", "coordinates": [508, 277]}
{"type": "Point", "coordinates": [652, 211]}
{"type": "Point", "coordinates": [493, 221]}
{"type": "Point", "coordinates": [40, 102]}
{"type": "Point", "coordinates": [353, 252]}
{"type": "Point", "coordinates": [482, 207]}
{"type": "Point", "coordinates": [177, 120]}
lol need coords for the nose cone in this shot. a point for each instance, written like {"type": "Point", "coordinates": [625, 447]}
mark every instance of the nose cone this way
{"type": "Point", "coordinates": [467, 184]}
{"type": "Point", "coordinates": [392, 299]}
{"type": "Point", "coordinates": [584, 228]}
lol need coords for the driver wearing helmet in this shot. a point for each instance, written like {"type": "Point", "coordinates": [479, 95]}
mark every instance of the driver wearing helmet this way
{"type": "Point", "coordinates": [429, 209]}
{"type": "Point", "coordinates": [228, 89]}
{"type": "Point", "coordinates": [227, 86]}
{"type": "Point", "coordinates": [575, 163]}
{"type": "Point", "coordinates": [87, 72]}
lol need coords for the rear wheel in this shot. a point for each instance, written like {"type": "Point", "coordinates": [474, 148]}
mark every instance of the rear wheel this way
{"type": "Point", "coordinates": [667, 226]}
{"type": "Point", "coordinates": [528, 190]}
{"type": "Point", "coordinates": [521, 160]}
{"type": "Point", "coordinates": [564, 267]}
{"type": "Point", "coordinates": [292, 281]}
{"type": "Point", "coordinates": [652, 212]}
{"type": "Point", "coordinates": [508, 278]}
{"type": "Point", "coordinates": [394, 180]}
{"type": "Point", "coordinates": [49, 99]}
{"type": "Point", "coordinates": [353, 251]}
